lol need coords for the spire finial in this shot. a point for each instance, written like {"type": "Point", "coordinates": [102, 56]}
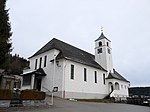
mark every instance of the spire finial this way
{"type": "Point", "coordinates": [102, 29]}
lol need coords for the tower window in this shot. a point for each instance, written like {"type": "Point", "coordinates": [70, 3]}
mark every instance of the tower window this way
{"type": "Point", "coordinates": [107, 44]}
{"type": "Point", "coordinates": [100, 43]}
{"type": "Point", "coordinates": [99, 50]}
{"type": "Point", "coordinates": [108, 51]}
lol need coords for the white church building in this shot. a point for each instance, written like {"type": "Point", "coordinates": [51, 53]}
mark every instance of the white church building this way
{"type": "Point", "coordinates": [76, 73]}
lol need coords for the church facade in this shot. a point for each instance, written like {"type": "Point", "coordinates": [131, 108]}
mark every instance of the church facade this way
{"type": "Point", "coordinates": [76, 73]}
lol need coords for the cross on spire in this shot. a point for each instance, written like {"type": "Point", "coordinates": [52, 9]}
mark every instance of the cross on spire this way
{"type": "Point", "coordinates": [102, 29]}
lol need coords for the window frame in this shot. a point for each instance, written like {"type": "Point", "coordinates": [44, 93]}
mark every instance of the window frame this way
{"type": "Point", "coordinates": [72, 72]}
{"type": "Point", "coordinates": [100, 43]}
{"type": "Point", "coordinates": [85, 74]}
{"type": "Point", "coordinates": [108, 50]}
{"type": "Point", "coordinates": [117, 86]}
{"type": "Point", "coordinates": [100, 50]}
{"type": "Point", "coordinates": [45, 61]}
{"type": "Point", "coordinates": [27, 80]}
{"type": "Point", "coordinates": [95, 76]}
{"type": "Point", "coordinates": [36, 61]}
{"type": "Point", "coordinates": [104, 79]}
{"type": "Point", "coordinates": [40, 64]}
{"type": "Point", "coordinates": [108, 44]}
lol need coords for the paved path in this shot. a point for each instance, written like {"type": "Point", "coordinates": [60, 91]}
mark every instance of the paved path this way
{"type": "Point", "coordinates": [73, 106]}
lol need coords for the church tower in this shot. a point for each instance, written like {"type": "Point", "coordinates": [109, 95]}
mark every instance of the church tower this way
{"type": "Point", "coordinates": [103, 52]}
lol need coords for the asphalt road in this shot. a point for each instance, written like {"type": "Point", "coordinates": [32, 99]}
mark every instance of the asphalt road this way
{"type": "Point", "coordinates": [74, 106]}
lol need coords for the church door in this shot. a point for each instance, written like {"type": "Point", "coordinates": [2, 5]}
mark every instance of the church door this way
{"type": "Point", "coordinates": [38, 84]}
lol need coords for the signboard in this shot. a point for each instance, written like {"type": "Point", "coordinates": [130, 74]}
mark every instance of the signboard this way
{"type": "Point", "coordinates": [55, 89]}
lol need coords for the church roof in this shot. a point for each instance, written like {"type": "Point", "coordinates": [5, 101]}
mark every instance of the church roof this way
{"type": "Point", "coordinates": [38, 72]}
{"type": "Point", "coordinates": [102, 36]}
{"type": "Point", "coordinates": [70, 52]}
{"type": "Point", "coordinates": [116, 75]}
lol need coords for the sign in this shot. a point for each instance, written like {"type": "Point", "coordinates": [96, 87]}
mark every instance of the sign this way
{"type": "Point", "coordinates": [55, 89]}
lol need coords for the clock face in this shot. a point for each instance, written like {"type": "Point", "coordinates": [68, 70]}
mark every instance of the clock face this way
{"type": "Point", "coordinates": [108, 50]}
{"type": "Point", "coordinates": [99, 50]}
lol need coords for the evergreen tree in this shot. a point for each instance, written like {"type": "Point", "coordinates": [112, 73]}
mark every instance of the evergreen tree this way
{"type": "Point", "coordinates": [17, 64]}
{"type": "Point", "coordinates": [5, 34]}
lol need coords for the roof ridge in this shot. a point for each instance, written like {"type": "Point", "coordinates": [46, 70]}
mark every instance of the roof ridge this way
{"type": "Point", "coordinates": [73, 46]}
{"type": "Point", "coordinates": [39, 49]}
{"type": "Point", "coordinates": [55, 39]}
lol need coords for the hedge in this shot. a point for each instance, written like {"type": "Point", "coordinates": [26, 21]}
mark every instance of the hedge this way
{"type": "Point", "coordinates": [5, 94]}
{"type": "Point", "coordinates": [32, 95]}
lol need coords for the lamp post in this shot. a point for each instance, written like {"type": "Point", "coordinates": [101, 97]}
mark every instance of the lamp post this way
{"type": "Point", "coordinates": [53, 78]}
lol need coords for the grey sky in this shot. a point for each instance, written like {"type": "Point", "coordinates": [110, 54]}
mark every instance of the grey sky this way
{"type": "Point", "coordinates": [126, 23]}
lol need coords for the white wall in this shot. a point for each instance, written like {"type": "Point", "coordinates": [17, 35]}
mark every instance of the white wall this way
{"type": "Point", "coordinates": [49, 70]}
{"type": "Point", "coordinates": [78, 88]}
{"type": "Point", "coordinates": [47, 81]}
{"type": "Point", "coordinates": [26, 87]}
{"type": "Point", "coordinates": [123, 88]}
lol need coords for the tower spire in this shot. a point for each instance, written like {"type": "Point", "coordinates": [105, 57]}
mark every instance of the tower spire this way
{"type": "Point", "coordinates": [103, 52]}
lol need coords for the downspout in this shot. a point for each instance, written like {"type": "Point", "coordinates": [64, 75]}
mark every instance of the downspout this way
{"type": "Point", "coordinates": [63, 80]}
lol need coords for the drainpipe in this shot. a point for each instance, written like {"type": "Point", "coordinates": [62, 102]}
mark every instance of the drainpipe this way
{"type": "Point", "coordinates": [53, 78]}
{"type": "Point", "coordinates": [63, 80]}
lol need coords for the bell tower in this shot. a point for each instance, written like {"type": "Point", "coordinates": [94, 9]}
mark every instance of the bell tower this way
{"type": "Point", "coordinates": [103, 52]}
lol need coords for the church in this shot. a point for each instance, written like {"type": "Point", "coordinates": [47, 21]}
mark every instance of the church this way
{"type": "Point", "coordinates": [75, 72]}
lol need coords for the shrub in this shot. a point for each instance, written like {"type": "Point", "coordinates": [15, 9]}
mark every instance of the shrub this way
{"type": "Point", "coordinates": [32, 95]}
{"type": "Point", "coordinates": [5, 94]}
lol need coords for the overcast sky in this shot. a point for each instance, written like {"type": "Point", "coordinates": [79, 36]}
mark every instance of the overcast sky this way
{"type": "Point", "coordinates": [78, 22]}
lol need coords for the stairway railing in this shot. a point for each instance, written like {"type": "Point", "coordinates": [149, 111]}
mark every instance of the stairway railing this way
{"type": "Point", "coordinates": [108, 96]}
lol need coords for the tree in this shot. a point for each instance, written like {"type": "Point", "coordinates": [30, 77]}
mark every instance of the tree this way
{"type": "Point", "coordinates": [5, 34]}
{"type": "Point", "coordinates": [17, 64]}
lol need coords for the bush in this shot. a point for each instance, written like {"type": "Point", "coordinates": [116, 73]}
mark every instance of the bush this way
{"type": "Point", "coordinates": [32, 95]}
{"type": "Point", "coordinates": [5, 94]}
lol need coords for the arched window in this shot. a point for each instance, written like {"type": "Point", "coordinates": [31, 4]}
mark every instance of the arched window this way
{"type": "Point", "coordinates": [100, 43]}
{"type": "Point", "coordinates": [107, 44]}
{"type": "Point", "coordinates": [117, 86]}
{"type": "Point", "coordinates": [110, 86]}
